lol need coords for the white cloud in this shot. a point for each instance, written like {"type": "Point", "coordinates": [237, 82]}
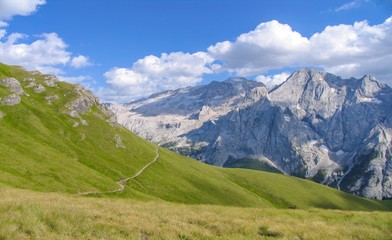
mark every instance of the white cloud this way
{"type": "Point", "coordinates": [10, 8]}
{"type": "Point", "coordinates": [77, 79]}
{"type": "Point", "coordinates": [355, 50]}
{"type": "Point", "coordinates": [270, 45]}
{"type": "Point", "coordinates": [80, 61]}
{"type": "Point", "coordinates": [271, 81]}
{"type": "Point", "coordinates": [3, 24]}
{"type": "Point", "coordinates": [347, 50]}
{"type": "Point", "coordinates": [151, 74]}
{"type": "Point", "coordinates": [348, 6]}
{"type": "Point", "coordinates": [47, 51]}
{"type": "Point", "coordinates": [2, 33]}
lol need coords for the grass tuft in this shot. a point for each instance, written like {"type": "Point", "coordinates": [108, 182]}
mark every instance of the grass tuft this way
{"type": "Point", "coordinates": [265, 232]}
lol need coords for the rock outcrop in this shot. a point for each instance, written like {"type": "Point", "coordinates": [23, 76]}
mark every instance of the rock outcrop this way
{"type": "Point", "coordinates": [51, 99]}
{"type": "Point", "coordinates": [314, 125]}
{"type": "Point", "coordinates": [14, 86]}
{"type": "Point", "coordinates": [10, 100]}
{"type": "Point", "coordinates": [39, 88]}
{"type": "Point", "coordinates": [119, 143]}
{"type": "Point", "coordinates": [50, 80]}
{"type": "Point", "coordinates": [84, 101]}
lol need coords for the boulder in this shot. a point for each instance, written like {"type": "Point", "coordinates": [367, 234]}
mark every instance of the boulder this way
{"type": "Point", "coordinates": [10, 100]}
{"type": "Point", "coordinates": [12, 84]}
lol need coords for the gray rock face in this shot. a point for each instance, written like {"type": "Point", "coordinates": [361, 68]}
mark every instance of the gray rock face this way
{"type": "Point", "coordinates": [50, 80]}
{"type": "Point", "coordinates": [35, 72]}
{"type": "Point", "coordinates": [29, 79]}
{"type": "Point", "coordinates": [84, 122]}
{"type": "Point", "coordinates": [83, 103]}
{"type": "Point", "coordinates": [171, 114]}
{"type": "Point", "coordinates": [314, 125]}
{"type": "Point", "coordinates": [39, 88]}
{"type": "Point", "coordinates": [51, 99]}
{"type": "Point", "coordinates": [119, 143]}
{"type": "Point", "coordinates": [12, 84]}
{"type": "Point", "coordinates": [10, 100]}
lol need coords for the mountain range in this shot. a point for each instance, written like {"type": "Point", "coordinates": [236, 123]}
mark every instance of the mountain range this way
{"type": "Point", "coordinates": [314, 125]}
{"type": "Point", "coordinates": [68, 170]}
{"type": "Point", "coordinates": [58, 137]}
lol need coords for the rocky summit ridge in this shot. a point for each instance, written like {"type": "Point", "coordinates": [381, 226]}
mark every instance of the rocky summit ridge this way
{"type": "Point", "coordinates": [314, 125]}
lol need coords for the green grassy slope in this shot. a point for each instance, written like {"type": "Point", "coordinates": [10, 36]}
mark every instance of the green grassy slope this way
{"type": "Point", "coordinates": [43, 151]}
{"type": "Point", "coordinates": [249, 163]}
{"type": "Point", "coordinates": [178, 179]}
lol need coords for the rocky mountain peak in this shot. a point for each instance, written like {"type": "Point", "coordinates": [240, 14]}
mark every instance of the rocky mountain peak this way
{"type": "Point", "coordinates": [369, 86]}
{"type": "Point", "coordinates": [307, 74]}
{"type": "Point", "coordinates": [303, 85]}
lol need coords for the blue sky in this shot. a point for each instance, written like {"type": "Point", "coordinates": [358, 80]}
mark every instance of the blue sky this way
{"type": "Point", "coordinates": [127, 49]}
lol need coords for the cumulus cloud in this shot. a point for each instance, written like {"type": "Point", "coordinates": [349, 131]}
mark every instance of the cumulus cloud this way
{"type": "Point", "coordinates": [10, 8]}
{"type": "Point", "coordinates": [355, 50]}
{"type": "Point", "coordinates": [80, 61]}
{"type": "Point", "coordinates": [271, 45]}
{"type": "Point", "coordinates": [151, 74]}
{"type": "Point", "coordinates": [48, 50]}
{"type": "Point", "coordinates": [348, 50]}
{"type": "Point", "coordinates": [272, 81]}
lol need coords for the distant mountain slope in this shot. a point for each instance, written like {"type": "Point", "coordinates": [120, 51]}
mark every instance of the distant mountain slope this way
{"type": "Point", "coordinates": [56, 137]}
{"type": "Point", "coordinates": [314, 125]}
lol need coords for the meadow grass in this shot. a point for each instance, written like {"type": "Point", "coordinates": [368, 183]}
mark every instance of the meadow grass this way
{"type": "Point", "coordinates": [32, 215]}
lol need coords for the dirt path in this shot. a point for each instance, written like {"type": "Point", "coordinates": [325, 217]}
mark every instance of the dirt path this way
{"type": "Point", "coordinates": [122, 182]}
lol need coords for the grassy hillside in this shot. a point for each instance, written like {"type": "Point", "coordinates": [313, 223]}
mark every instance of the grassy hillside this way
{"type": "Point", "coordinates": [31, 215]}
{"type": "Point", "coordinates": [179, 179]}
{"type": "Point", "coordinates": [44, 148]}
{"type": "Point", "coordinates": [249, 163]}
